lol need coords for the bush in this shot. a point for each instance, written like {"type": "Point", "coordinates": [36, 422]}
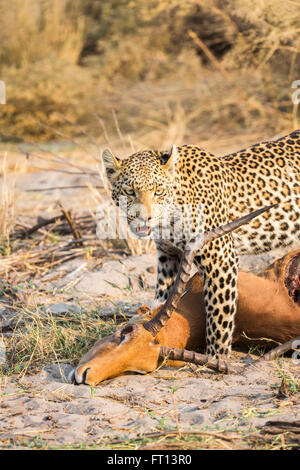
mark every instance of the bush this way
{"type": "Point", "coordinates": [76, 58]}
{"type": "Point", "coordinates": [38, 93]}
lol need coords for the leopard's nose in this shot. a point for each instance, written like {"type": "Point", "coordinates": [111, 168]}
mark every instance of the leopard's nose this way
{"type": "Point", "coordinates": [144, 220]}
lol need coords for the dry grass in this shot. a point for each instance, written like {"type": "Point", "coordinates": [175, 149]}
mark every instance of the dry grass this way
{"type": "Point", "coordinates": [145, 68]}
{"type": "Point", "coordinates": [7, 208]}
{"type": "Point", "coordinates": [40, 337]}
{"type": "Point", "coordinates": [34, 29]}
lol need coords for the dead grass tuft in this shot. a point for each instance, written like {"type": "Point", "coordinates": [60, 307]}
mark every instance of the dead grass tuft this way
{"type": "Point", "coordinates": [7, 208]}
{"type": "Point", "coordinates": [33, 29]}
{"type": "Point", "coordinates": [40, 337]}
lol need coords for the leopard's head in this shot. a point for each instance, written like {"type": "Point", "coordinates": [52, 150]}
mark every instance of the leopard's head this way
{"type": "Point", "coordinates": [145, 181]}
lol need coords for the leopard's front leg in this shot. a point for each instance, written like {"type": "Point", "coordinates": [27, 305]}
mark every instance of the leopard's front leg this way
{"type": "Point", "coordinates": [167, 269]}
{"type": "Point", "coordinates": [219, 265]}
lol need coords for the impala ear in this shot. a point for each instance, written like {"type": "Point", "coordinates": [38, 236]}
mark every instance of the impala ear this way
{"type": "Point", "coordinates": [111, 163]}
{"type": "Point", "coordinates": [172, 160]}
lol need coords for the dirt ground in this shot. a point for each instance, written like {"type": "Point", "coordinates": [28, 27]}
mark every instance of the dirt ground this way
{"type": "Point", "coordinates": [190, 408]}
{"type": "Point", "coordinates": [166, 409]}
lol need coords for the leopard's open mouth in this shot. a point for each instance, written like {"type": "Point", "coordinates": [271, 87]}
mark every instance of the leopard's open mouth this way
{"type": "Point", "coordinates": [143, 231]}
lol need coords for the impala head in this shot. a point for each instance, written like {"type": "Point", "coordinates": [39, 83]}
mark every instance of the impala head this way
{"type": "Point", "coordinates": [135, 347]}
{"type": "Point", "coordinates": [145, 181]}
{"type": "Point", "coordinates": [130, 349]}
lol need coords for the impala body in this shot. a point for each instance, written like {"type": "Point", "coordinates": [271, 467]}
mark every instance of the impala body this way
{"type": "Point", "coordinates": [268, 313]}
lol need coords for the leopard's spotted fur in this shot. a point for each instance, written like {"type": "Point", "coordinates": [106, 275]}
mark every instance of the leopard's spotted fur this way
{"type": "Point", "coordinates": [217, 190]}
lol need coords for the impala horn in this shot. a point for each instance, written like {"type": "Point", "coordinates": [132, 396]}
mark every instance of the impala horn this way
{"type": "Point", "coordinates": [221, 366]}
{"type": "Point", "coordinates": [160, 319]}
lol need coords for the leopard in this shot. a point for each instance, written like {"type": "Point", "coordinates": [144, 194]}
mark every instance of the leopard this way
{"type": "Point", "coordinates": [174, 195]}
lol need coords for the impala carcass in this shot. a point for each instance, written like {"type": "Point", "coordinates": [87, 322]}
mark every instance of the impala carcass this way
{"type": "Point", "coordinates": [268, 313]}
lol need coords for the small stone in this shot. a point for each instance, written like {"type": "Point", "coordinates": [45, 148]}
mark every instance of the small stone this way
{"type": "Point", "coordinates": [62, 308]}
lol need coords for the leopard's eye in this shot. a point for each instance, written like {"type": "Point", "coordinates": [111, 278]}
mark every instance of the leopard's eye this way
{"type": "Point", "coordinates": [159, 192]}
{"type": "Point", "coordinates": [129, 191]}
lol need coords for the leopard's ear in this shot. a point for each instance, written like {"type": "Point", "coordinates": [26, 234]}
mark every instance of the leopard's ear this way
{"type": "Point", "coordinates": [111, 164]}
{"type": "Point", "coordinates": [172, 160]}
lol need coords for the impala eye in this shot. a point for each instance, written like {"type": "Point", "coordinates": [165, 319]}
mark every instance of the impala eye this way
{"type": "Point", "coordinates": [129, 191]}
{"type": "Point", "coordinates": [159, 192]}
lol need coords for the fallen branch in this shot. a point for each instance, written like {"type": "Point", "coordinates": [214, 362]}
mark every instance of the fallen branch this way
{"type": "Point", "coordinates": [75, 231]}
{"type": "Point", "coordinates": [53, 188]}
{"type": "Point", "coordinates": [35, 228]}
{"type": "Point", "coordinates": [175, 432]}
{"type": "Point", "coordinates": [277, 427]}
{"type": "Point", "coordinates": [85, 222]}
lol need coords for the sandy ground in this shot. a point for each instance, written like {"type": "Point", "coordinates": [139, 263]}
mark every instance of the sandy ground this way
{"type": "Point", "coordinates": [44, 410]}
{"type": "Point", "coordinates": [196, 408]}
